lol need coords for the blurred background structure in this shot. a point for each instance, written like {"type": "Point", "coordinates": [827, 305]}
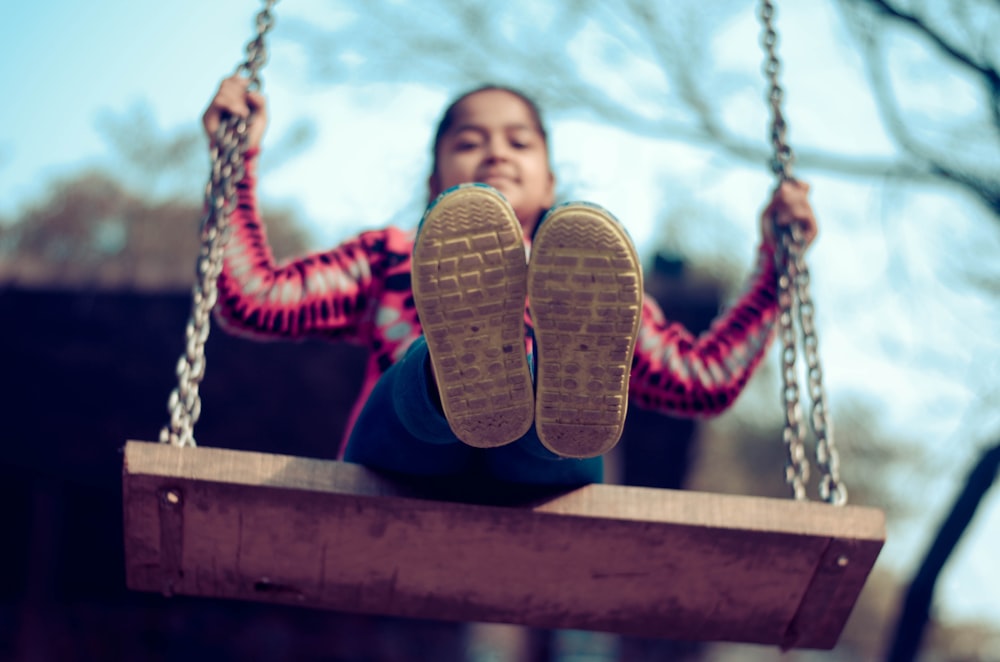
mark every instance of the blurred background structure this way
{"type": "Point", "coordinates": [656, 112]}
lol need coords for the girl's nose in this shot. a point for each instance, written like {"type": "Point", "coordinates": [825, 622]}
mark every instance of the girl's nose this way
{"type": "Point", "coordinates": [497, 148]}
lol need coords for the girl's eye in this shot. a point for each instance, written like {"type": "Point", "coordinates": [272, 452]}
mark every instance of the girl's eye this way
{"type": "Point", "coordinates": [465, 142]}
{"type": "Point", "coordinates": [521, 140]}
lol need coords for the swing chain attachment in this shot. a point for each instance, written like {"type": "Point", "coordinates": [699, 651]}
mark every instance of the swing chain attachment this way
{"type": "Point", "coordinates": [795, 304]}
{"type": "Point", "coordinates": [228, 147]}
{"type": "Point", "coordinates": [781, 161]}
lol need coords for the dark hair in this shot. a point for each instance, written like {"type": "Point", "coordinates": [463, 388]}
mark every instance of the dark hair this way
{"type": "Point", "coordinates": [448, 119]}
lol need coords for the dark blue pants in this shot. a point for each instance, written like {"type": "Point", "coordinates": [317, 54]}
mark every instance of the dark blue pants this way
{"type": "Point", "coordinates": [401, 429]}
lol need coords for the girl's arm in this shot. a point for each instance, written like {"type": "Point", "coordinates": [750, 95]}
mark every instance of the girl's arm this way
{"type": "Point", "coordinates": [320, 295]}
{"type": "Point", "coordinates": [677, 373]}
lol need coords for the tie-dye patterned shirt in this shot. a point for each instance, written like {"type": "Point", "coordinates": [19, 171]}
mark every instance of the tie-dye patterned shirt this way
{"type": "Point", "coordinates": [359, 292]}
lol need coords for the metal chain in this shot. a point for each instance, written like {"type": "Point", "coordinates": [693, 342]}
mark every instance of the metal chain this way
{"type": "Point", "coordinates": [831, 488]}
{"type": "Point", "coordinates": [229, 146]}
{"type": "Point", "coordinates": [795, 303]}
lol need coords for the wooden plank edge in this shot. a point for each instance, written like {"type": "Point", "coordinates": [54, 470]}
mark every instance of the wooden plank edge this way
{"type": "Point", "coordinates": [723, 511]}
{"type": "Point", "coordinates": [836, 584]}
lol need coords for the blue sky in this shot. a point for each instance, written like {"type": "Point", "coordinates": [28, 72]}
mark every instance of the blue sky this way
{"type": "Point", "coordinates": [67, 62]}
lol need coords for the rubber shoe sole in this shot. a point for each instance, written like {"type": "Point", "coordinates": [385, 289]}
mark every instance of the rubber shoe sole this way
{"type": "Point", "coordinates": [469, 286]}
{"type": "Point", "coordinates": [585, 297]}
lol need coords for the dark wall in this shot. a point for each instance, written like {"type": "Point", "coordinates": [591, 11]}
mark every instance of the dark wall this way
{"type": "Point", "coordinates": [83, 373]}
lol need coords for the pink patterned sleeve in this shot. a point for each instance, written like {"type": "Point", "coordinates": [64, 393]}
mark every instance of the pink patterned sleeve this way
{"type": "Point", "coordinates": [319, 295]}
{"type": "Point", "coordinates": [679, 374]}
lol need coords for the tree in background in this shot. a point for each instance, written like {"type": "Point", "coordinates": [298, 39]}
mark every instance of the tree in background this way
{"type": "Point", "coordinates": [653, 70]}
{"type": "Point", "coordinates": [953, 140]}
{"type": "Point", "coordinates": [135, 221]}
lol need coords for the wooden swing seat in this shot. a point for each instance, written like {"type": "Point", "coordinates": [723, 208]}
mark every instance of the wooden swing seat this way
{"type": "Point", "coordinates": [638, 561]}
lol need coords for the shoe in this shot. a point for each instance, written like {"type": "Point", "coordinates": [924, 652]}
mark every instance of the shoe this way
{"type": "Point", "coordinates": [585, 298]}
{"type": "Point", "coordinates": [469, 286]}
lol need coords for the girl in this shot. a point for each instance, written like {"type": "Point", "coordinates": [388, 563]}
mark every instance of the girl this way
{"type": "Point", "coordinates": [458, 320]}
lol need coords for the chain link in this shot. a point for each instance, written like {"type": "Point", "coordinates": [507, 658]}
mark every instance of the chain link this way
{"type": "Point", "coordinates": [781, 161]}
{"type": "Point", "coordinates": [795, 305]}
{"type": "Point", "coordinates": [229, 145]}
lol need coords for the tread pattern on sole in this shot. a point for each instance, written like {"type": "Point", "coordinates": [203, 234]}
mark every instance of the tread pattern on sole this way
{"type": "Point", "coordinates": [585, 297]}
{"type": "Point", "coordinates": [469, 285]}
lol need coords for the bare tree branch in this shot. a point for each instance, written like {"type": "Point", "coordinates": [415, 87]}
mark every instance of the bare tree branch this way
{"type": "Point", "coordinates": [565, 53]}
{"type": "Point", "coordinates": [963, 58]}
{"type": "Point", "coordinates": [946, 160]}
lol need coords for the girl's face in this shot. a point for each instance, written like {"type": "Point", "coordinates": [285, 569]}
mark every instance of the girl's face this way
{"type": "Point", "coordinates": [495, 140]}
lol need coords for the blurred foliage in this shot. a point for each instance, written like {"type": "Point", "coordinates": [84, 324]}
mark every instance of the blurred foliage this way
{"type": "Point", "coordinates": [137, 220]}
{"type": "Point", "coordinates": [90, 225]}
